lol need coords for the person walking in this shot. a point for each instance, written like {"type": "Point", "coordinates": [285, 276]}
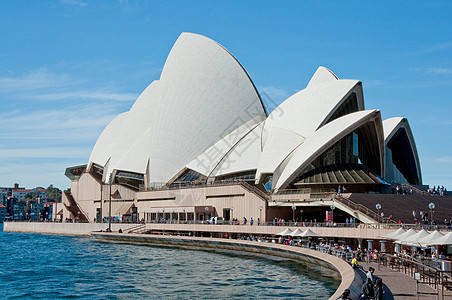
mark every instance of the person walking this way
{"type": "Point", "coordinates": [370, 274]}
{"type": "Point", "coordinates": [378, 289]}
{"type": "Point", "coordinates": [367, 290]}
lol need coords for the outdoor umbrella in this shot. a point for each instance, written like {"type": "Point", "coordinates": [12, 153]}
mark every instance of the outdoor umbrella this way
{"type": "Point", "coordinates": [296, 232]}
{"type": "Point", "coordinates": [308, 233]}
{"type": "Point", "coordinates": [445, 240]}
{"type": "Point", "coordinates": [412, 240]}
{"type": "Point", "coordinates": [403, 236]}
{"type": "Point", "coordinates": [430, 238]}
{"type": "Point", "coordinates": [285, 232]}
{"type": "Point", "coordinates": [396, 233]}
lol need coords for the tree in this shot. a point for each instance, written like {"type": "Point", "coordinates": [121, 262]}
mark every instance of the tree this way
{"type": "Point", "coordinates": [53, 194]}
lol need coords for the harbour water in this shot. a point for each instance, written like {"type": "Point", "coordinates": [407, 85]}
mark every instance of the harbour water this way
{"type": "Point", "coordinates": [50, 266]}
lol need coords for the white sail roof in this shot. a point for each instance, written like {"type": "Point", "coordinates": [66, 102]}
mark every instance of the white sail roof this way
{"type": "Point", "coordinates": [202, 96]}
{"type": "Point", "coordinates": [321, 140]}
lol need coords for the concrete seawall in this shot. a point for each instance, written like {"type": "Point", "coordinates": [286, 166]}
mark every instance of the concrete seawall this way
{"type": "Point", "coordinates": [62, 228]}
{"type": "Point", "coordinates": [349, 278]}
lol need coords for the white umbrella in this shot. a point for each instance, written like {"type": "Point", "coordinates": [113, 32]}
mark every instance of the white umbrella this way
{"type": "Point", "coordinates": [429, 238]}
{"type": "Point", "coordinates": [412, 240]}
{"type": "Point", "coordinates": [308, 232]}
{"type": "Point", "coordinates": [403, 236]}
{"type": "Point", "coordinates": [296, 232]}
{"type": "Point", "coordinates": [285, 232]}
{"type": "Point", "coordinates": [445, 240]}
{"type": "Point", "coordinates": [393, 235]}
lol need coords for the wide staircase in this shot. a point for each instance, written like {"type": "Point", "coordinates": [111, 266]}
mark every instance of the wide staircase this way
{"type": "Point", "coordinates": [401, 206]}
{"type": "Point", "coordinates": [253, 189]}
{"type": "Point", "coordinates": [140, 228]}
{"type": "Point", "coordinates": [74, 209]}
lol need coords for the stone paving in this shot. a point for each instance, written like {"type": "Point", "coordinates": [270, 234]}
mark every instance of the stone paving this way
{"type": "Point", "coordinates": [401, 286]}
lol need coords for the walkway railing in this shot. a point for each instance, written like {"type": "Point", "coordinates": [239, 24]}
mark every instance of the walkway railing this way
{"type": "Point", "coordinates": [415, 189]}
{"type": "Point", "coordinates": [359, 207]}
{"type": "Point", "coordinates": [433, 276]}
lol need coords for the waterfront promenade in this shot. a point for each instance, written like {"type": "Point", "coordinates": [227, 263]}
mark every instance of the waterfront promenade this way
{"type": "Point", "coordinates": [399, 285]}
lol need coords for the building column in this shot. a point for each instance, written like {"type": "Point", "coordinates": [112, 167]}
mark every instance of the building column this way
{"type": "Point", "coordinates": [383, 246]}
{"type": "Point", "coordinates": [369, 244]}
{"type": "Point", "coordinates": [360, 243]}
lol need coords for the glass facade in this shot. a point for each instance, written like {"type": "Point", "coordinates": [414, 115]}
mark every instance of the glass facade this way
{"type": "Point", "coordinates": [392, 174]}
{"type": "Point", "coordinates": [343, 152]}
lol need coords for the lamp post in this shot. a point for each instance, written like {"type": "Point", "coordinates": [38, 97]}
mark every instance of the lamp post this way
{"type": "Point", "coordinates": [109, 204]}
{"type": "Point", "coordinates": [301, 215]}
{"type": "Point", "coordinates": [293, 212]}
{"type": "Point", "coordinates": [232, 214]}
{"type": "Point", "coordinates": [432, 207]}
{"type": "Point", "coordinates": [260, 213]}
{"type": "Point", "coordinates": [332, 209]}
{"type": "Point", "coordinates": [378, 207]}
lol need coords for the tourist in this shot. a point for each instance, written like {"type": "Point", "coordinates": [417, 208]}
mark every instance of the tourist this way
{"type": "Point", "coordinates": [378, 289]}
{"type": "Point", "coordinates": [258, 221]}
{"type": "Point", "coordinates": [345, 294]}
{"type": "Point", "coordinates": [370, 274]}
{"type": "Point", "coordinates": [251, 221]}
{"type": "Point", "coordinates": [355, 264]}
{"type": "Point", "coordinates": [367, 289]}
{"type": "Point", "coordinates": [244, 221]}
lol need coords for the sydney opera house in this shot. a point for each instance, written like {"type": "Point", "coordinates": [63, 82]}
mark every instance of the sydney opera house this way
{"type": "Point", "coordinates": [199, 143]}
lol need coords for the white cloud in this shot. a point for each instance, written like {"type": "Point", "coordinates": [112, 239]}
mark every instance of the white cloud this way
{"type": "Point", "coordinates": [372, 83]}
{"type": "Point", "coordinates": [272, 96]}
{"type": "Point", "coordinates": [35, 80]}
{"type": "Point", "coordinates": [444, 159]}
{"type": "Point", "coordinates": [36, 84]}
{"type": "Point", "coordinates": [273, 92]}
{"type": "Point", "coordinates": [35, 174]}
{"type": "Point", "coordinates": [61, 125]}
{"type": "Point", "coordinates": [431, 49]}
{"type": "Point", "coordinates": [99, 95]}
{"type": "Point", "coordinates": [74, 2]}
{"type": "Point", "coordinates": [439, 71]}
{"type": "Point", "coordinates": [48, 152]}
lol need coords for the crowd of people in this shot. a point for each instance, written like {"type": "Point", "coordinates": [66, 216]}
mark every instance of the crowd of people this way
{"type": "Point", "coordinates": [437, 190]}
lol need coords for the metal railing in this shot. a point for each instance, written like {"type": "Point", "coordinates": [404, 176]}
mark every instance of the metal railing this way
{"type": "Point", "coordinates": [433, 276]}
{"type": "Point", "coordinates": [359, 207]}
{"type": "Point", "coordinates": [415, 189]}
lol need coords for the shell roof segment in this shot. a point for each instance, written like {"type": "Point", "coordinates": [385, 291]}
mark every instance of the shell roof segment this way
{"type": "Point", "coordinates": [203, 95]}
{"type": "Point", "coordinates": [319, 142]}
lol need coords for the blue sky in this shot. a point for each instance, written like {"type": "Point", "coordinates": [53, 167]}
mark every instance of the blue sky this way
{"type": "Point", "coordinates": [67, 68]}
